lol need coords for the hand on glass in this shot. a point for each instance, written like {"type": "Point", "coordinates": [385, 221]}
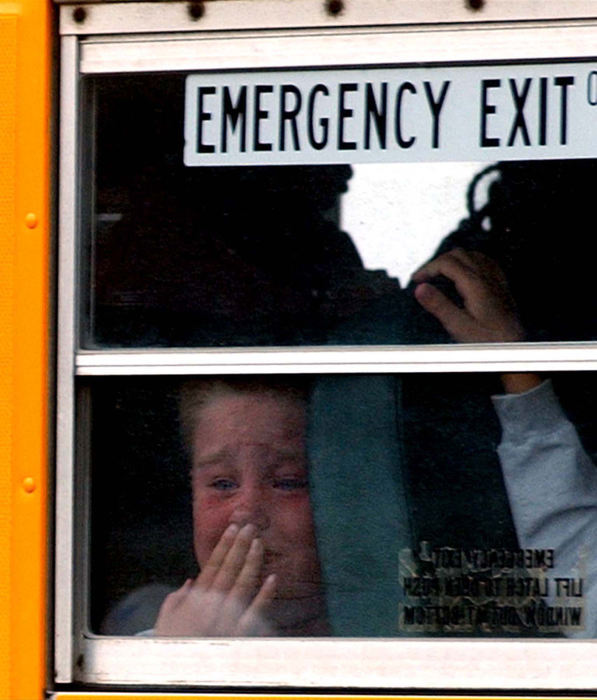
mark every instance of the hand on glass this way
{"type": "Point", "coordinates": [226, 599]}
{"type": "Point", "coordinates": [489, 313]}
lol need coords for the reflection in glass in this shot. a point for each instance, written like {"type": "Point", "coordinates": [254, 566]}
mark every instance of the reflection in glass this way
{"type": "Point", "coordinates": [364, 505]}
{"type": "Point", "coordinates": [237, 256]}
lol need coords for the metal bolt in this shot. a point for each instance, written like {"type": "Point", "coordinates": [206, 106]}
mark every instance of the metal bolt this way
{"type": "Point", "coordinates": [29, 484]}
{"type": "Point", "coordinates": [334, 7]}
{"type": "Point", "coordinates": [31, 220]}
{"type": "Point", "coordinates": [196, 9]}
{"type": "Point", "coordinates": [79, 15]}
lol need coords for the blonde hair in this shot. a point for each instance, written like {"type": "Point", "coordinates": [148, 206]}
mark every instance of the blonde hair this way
{"type": "Point", "coordinates": [196, 393]}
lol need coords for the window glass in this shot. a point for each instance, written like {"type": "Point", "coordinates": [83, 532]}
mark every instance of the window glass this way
{"type": "Point", "coordinates": [381, 503]}
{"type": "Point", "coordinates": [213, 501]}
{"type": "Point", "coordinates": [308, 254]}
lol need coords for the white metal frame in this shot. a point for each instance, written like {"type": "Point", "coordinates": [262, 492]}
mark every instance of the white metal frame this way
{"type": "Point", "coordinates": [212, 51]}
{"type": "Point", "coordinates": [134, 37]}
{"type": "Point", "coordinates": [65, 635]}
{"type": "Point", "coordinates": [159, 17]}
{"type": "Point", "coordinates": [334, 359]}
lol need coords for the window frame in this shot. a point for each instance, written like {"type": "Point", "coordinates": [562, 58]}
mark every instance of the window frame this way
{"type": "Point", "coordinates": [138, 37]}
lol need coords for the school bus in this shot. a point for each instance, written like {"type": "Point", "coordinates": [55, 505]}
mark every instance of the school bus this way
{"type": "Point", "coordinates": [123, 126]}
{"type": "Point", "coordinates": [26, 133]}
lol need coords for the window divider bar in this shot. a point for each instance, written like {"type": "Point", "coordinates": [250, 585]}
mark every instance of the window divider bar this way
{"type": "Point", "coordinates": [350, 359]}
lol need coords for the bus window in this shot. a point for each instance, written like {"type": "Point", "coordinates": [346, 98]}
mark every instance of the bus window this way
{"type": "Point", "coordinates": [385, 524]}
{"type": "Point", "coordinates": [265, 255]}
{"type": "Point", "coordinates": [320, 339]}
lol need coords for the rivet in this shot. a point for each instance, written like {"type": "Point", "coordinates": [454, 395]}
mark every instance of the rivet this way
{"type": "Point", "coordinates": [29, 484]}
{"type": "Point", "coordinates": [475, 4]}
{"type": "Point", "coordinates": [31, 220]}
{"type": "Point", "coordinates": [196, 9]}
{"type": "Point", "coordinates": [79, 15]}
{"type": "Point", "coordinates": [334, 7]}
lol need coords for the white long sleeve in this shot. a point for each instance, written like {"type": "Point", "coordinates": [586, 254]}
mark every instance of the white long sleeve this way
{"type": "Point", "coordinates": [552, 488]}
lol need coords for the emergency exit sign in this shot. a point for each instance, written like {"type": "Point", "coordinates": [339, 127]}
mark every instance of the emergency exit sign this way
{"type": "Point", "coordinates": [392, 114]}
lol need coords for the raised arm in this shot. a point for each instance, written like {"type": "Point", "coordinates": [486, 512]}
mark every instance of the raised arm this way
{"type": "Point", "coordinates": [552, 489]}
{"type": "Point", "coordinates": [550, 480]}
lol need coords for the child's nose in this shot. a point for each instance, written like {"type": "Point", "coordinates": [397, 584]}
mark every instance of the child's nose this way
{"type": "Point", "coordinates": [251, 507]}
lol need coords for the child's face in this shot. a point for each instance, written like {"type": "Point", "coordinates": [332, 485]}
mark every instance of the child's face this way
{"type": "Point", "coordinates": [249, 466]}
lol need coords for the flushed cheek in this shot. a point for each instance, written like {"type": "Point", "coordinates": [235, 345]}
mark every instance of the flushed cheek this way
{"type": "Point", "coordinates": [210, 520]}
{"type": "Point", "coordinates": [293, 520]}
{"type": "Point", "coordinates": [292, 535]}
